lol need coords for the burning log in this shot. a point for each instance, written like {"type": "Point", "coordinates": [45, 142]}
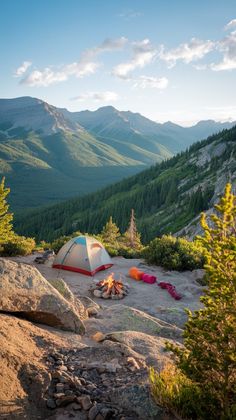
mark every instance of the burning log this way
{"type": "Point", "coordinates": [110, 288]}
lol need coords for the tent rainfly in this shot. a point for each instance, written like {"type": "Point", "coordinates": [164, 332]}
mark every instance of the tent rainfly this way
{"type": "Point", "coordinates": [83, 254]}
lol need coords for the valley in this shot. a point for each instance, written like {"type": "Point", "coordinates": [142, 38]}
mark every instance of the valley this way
{"type": "Point", "coordinates": [167, 198]}
{"type": "Point", "coordinates": [48, 154]}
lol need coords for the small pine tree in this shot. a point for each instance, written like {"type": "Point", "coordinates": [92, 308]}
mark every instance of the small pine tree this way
{"type": "Point", "coordinates": [6, 232]}
{"type": "Point", "coordinates": [110, 232]}
{"type": "Point", "coordinates": [131, 236]}
{"type": "Point", "coordinates": [209, 357]}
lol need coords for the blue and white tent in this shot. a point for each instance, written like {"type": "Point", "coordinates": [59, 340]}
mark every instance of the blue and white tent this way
{"type": "Point", "coordinates": [83, 254]}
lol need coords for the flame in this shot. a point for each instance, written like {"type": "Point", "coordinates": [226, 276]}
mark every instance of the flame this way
{"type": "Point", "coordinates": [110, 282]}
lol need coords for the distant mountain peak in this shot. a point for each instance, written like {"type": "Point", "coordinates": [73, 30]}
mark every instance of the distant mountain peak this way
{"type": "Point", "coordinates": [34, 114]}
{"type": "Point", "coordinates": [206, 122]}
{"type": "Point", "coordinates": [170, 124]}
{"type": "Point", "coordinates": [107, 108]}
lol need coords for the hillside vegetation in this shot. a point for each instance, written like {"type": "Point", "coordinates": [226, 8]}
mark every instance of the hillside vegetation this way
{"type": "Point", "coordinates": [49, 154]}
{"type": "Point", "coordinates": [165, 197]}
{"type": "Point", "coordinates": [202, 385]}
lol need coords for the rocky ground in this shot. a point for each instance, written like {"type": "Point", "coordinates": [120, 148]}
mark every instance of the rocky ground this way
{"type": "Point", "coordinates": [148, 298]}
{"type": "Point", "coordinates": [24, 375]}
{"type": "Point", "coordinates": [47, 373]}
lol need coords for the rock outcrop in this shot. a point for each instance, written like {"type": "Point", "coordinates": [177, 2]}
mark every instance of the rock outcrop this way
{"type": "Point", "coordinates": [24, 291]}
{"type": "Point", "coordinates": [123, 318]}
{"type": "Point", "coordinates": [24, 375]}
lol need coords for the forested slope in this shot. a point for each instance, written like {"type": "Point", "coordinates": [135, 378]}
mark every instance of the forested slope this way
{"type": "Point", "coordinates": [165, 197]}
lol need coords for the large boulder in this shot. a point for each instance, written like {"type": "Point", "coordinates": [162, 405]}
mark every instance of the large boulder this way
{"type": "Point", "coordinates": [24, 291]}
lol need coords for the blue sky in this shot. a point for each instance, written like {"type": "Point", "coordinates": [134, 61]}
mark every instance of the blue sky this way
{"type": "Point", "coordinates": [169, 60]}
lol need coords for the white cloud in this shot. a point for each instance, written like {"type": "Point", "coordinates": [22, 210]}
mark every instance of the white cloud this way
{"type": "Point", "coordinates": [22, 69]}
{"type": "Point", "coordinates": [130, 14]}
{"type": "Point", "coordinates": [81, 69]}
{"type": "Point", "coordinates": [187, 52]}
{"type": "Point", "coordinates": [143, 54]}
{"type": "Point", "coordinates": [231, 24]}
{"type": "Point", "coordinates": [44, 78]}
{"type": "Point", "coordinates": [144, 82]}
{"type": "Point", "coordinates": [108, 44]}
{"type": "Point", "coordinates": [228, 46]}
{"type": "Point", "coordinates": [106, 96]}
{"type": "Point", "coordinates": [200, 66]}
{"type": "Point", "coordinates": [87, 65]}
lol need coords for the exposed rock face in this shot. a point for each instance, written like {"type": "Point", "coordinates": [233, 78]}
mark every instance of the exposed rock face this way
{"type": "Point", "coordinates": [34, 114]}
{"type": "Point", "coordinates": [24, 376]}
{"type": "Point", "coordinates": [25, 291]}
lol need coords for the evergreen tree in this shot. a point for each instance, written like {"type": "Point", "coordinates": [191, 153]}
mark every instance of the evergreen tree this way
{"type": "Point", "coordinates": [110, 232]}
{"type": "Point", "coordinates": [131, 237]}
{"type": "Point", "coordinates": [172, 193]}
{"type": "Point", "coordinates": [5, 217]}
{"type": "Point", "coordinates": [209, 357]}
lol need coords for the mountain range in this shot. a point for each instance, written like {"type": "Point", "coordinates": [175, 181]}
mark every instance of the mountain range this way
{"type": "Point", "coordinates": [167, 198]}
{"type": "Point", "coordinates": [49, 154]}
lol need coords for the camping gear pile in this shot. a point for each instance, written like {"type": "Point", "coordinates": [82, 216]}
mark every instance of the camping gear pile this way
{"type": "Point", "coordinates": [138, 275]}
{"type": "Point", "coordinates": [83, 254]}
{"type": "Point", "coordinates": [171, 289]}
{"type": "Point", "coordinates": [47, 255]}
{"type": "Point", "coordinates": [110, 288]}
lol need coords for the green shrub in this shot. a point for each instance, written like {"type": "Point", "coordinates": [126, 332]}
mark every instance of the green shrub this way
{"type": "Point", "coordinates": [174, 253]}
{"type": "Point", "coordinates": [18, 245]}
{"type": "Point", "coordinates": [203, 383]}
{"type": "Point", "coordinates": [59, 242]}
{"type": "Point", "coordinates": [112, 251]}
{"type": "Point", "coordinates": [6, 232]}
{"type": "Point", "coordinates": [181, 396]}
{"type": "Point", "coordinates": [42, 246]}
{"type": "Point", "coordinates": [128, 252]}
{"type": "Point", "coordinates": [118, 247]}
{"type": "Point", "coordinates": [209, 355]}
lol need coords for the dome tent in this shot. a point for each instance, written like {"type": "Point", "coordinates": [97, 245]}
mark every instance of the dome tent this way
{"type": "Point", "coordinates": [83, 254]}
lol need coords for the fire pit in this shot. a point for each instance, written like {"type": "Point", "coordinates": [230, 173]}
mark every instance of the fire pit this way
{"type": "Point", "coordinates": [110, 288]}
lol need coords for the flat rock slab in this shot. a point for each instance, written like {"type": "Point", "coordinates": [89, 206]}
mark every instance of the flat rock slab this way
{"type": "Point", "coordinates": [123, 318]}
{"type": "Point", "coordinates": [24, 291]}
{"type": "Point", "coordinates": [151, 349]}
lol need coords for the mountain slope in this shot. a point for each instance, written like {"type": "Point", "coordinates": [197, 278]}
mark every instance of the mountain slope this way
{"type": "Point", "coordinates": [49, 154]}
{"type": "Point", "coordinates": [47, 157]}
{"type": "Point", "coordinates": [111, 125]}
{"type": "Point", "coordinates": [33, 114]}
{"type": "Point", "coordinates": [165, 197]}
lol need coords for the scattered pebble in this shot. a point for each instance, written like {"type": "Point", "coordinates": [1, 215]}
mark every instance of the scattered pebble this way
{"type": "Point", "coordinates": [85, 402]}
{"type": "Point", "coordinates": [98, 336]}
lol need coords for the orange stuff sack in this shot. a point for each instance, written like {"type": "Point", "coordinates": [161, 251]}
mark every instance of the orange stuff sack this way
{"type": "Point", "coordinates": [135, 274]}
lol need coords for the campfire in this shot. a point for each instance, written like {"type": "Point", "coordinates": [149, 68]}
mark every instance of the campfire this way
{"type": "Point", "coordinates": [110, 288]}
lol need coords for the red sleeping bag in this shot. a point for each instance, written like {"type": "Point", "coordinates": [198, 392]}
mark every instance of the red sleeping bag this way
{"type": "Point", "coordinates": [147, 278]}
